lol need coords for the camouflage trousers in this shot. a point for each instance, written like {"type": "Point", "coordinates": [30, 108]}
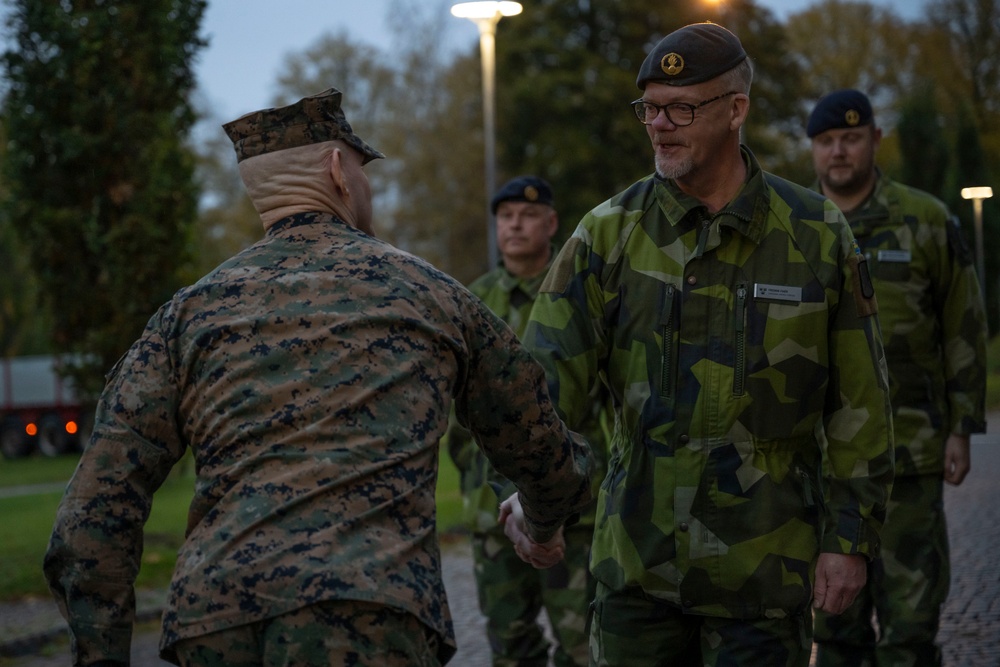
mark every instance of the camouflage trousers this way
{"type": "Point", "coordinates": [339, 632]}
{"type": "Point", "coordinates": [513, 593]}
{"type": "Point", "coordinates": [894, 620]}
{"type": "Point", "coordinates": [631, 628]}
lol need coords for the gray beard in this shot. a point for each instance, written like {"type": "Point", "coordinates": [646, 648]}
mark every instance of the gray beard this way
{"type": "Point", "coordinates": [674, 170]}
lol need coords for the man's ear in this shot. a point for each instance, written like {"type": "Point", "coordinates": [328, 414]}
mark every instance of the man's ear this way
{"type": "Point", "coordinates": [337, 174]}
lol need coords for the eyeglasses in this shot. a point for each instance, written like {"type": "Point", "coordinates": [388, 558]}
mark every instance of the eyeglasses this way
{"type": "Point", "coordinates": [680, 114]}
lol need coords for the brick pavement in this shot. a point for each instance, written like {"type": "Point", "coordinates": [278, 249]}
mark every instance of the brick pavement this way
{"type": "Point", "coordinates": [970, 629]}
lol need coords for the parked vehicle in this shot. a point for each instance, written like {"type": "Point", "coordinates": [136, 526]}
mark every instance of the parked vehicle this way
{"type": "Point", "coordinates": [39, 410]}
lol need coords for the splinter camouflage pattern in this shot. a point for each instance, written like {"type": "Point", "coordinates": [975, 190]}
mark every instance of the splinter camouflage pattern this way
{"type": "Point", "coordinates": [512, 592]}
{"type": "Point", "coordinates": [933, 321]}
{"type": "Point", "coordinates": [934, 327]}
{"type": "Point", "coordinates": [311, 375]}
{"type": "Point", "coordinates": [737, 347]}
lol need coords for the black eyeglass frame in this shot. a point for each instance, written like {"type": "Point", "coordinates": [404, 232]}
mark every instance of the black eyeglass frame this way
{"type": "Point", "coordinates": [640, 105]}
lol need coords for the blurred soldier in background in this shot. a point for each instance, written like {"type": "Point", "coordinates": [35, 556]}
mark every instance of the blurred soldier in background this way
{"type": "Point", "coordinates": [311, 375]}
{"type": "Point", "coordinates": [934, 329]}
{"type": "Point", "coordinates": [511, 592]}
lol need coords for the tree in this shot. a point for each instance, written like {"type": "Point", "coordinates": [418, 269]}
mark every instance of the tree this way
{"type": "Point", "coordinates": [423, 112]}
{"type": "Point", "coordinates": [100, 183]}
{"type": "Point", "coordinates": [922, 143]}
{"type": "Point", "coordinates": [566, 72]}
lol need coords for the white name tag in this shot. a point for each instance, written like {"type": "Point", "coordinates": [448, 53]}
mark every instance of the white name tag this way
{"type": "Point", "coordinates": [901, 256]}
{"type": "Point", "coordinates": [777, 292]}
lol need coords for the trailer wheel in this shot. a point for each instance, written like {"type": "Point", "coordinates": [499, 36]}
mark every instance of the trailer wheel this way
{"type": "Point", "coordinates": [14, 442]}
{"type": "Point", "coordinates": [53, 439]}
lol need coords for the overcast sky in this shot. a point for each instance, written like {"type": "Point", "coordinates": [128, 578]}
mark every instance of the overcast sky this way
{"type": "Point", "coordinates": [248, 39]}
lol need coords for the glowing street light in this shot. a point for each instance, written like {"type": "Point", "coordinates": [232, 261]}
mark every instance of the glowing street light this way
{"type": "Point", "coordinates": [977, 195]}
{"type": "Point", "coordinates": [486, 15]}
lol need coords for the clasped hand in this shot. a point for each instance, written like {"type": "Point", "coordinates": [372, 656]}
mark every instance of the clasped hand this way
{"type": "Point", "coordinates": [541, 555]}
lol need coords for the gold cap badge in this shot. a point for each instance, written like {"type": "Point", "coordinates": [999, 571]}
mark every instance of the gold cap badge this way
{"type": "Point", "coordinates": [531, 193]}
{"type": "Point", "coordinates": [852, 117]}
{"type": "Point", "coordinates": [672, 64]}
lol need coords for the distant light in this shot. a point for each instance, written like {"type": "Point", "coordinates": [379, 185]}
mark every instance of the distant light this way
{"type": "Point", "coordinates": [485, 10]}
{"type": "Point", "coordinates": [31, 429]}
{"type": "Point", "coordinates": [977, 193]}
{"type": "Point", "coordinates": [71, 427]}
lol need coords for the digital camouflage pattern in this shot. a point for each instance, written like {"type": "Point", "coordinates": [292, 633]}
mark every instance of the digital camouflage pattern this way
{"type": "Point", "coordinates": [312, 120]}
{"type": "Point", "coordinates": [311, 375]}
{"type": "Point", "coordinates": [738, 347]}
{"type": "Point", "coordinates": [934, 328]}
{"type": "Point", "coordinates": [356, 633]}
{"type": "Point", "coordinates": [512, 592]}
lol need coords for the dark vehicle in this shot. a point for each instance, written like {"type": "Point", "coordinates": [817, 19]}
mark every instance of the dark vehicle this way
{"type": "Point", "coordinates": [39, 411]}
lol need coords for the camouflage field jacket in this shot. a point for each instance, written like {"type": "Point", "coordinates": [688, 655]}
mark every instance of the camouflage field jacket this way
{"type": "Point", "coordinates": [741, 349]}
{"type": "Point", "coordinates": [311, 376]}
{"type": "Point", "coordinates": [511, 298]}
{"type": "Point", "coordinates": [933, 321]}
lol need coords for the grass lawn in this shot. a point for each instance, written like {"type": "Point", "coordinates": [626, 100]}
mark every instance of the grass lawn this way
{"type": "Point", "coordinates": [27, 522]}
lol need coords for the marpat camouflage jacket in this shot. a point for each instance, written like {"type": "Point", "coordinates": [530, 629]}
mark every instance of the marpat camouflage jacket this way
{"type": "Point", "coordinates": [311, 375]}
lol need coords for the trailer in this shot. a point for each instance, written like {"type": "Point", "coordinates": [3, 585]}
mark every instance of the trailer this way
{"type": "Point", "coordinates": [39, 410]}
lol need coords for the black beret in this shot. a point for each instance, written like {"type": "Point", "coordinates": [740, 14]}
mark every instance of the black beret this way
{"type": "Point", "coordinates": [839, 110]}
{"type": "Point", "coordinates": [692, 54]}
{"type": "Point", "coordinates": [529, 189]}
{"type": "Point", "coordinates": [312, 120]}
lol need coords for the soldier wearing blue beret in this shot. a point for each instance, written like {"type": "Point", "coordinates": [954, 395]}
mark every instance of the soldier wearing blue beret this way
{"type": "Point", "coordinates": [724, 310]}
{"type": "Point", "coordinates": [934, 326]}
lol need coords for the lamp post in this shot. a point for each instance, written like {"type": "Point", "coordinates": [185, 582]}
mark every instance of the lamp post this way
{"type": "Point", "coordinates": [486, 15]}
{"type": "Point", "coordinates": [977, 195]}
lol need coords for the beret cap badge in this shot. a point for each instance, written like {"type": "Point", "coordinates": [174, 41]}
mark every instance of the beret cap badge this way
{"type": "Point", "coordinates": [672, 64]}
{"type": "Point", "coordinates": [531, 193]}
{"type": "Point", "coordinates": [852, 117]}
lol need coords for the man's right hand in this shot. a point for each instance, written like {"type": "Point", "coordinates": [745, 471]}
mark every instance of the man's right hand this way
{"type": "Point", "coordinates": [539, 555]}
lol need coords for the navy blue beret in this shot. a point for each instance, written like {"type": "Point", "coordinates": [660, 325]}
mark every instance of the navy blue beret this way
{"type": "Point", "coordinates": [840, 109]}
{"type": "Point", "coordinates": [529, 189]}
{"type": "Point", "coordinates": [692, 54]}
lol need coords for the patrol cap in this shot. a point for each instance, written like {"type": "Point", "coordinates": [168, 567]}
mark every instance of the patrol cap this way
{"type": "Point", "coordinates": [840, 109]}
{"type": "Point", "coordinates": [693, 54]}
{"type": "Point", "coordinates": [531, 189]}
{"type": "Point", "coordinates": [312, 120]}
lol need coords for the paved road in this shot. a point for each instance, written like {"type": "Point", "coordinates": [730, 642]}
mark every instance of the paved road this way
{"type": "Point", "coordinates": [970, 630]}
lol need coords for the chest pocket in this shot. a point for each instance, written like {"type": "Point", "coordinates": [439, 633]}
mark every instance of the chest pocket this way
{"type": "Point", "coordinates": [890, 264]}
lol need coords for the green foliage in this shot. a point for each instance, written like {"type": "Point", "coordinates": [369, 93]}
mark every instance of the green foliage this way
{"type": "Point", "coordinates": [922, 143]}
{"type": "Point", "coordinates": [99, 183]}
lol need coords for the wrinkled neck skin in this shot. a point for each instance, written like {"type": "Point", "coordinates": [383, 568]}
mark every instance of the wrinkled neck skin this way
{"type": "Point", "coordinates": [299, 183]}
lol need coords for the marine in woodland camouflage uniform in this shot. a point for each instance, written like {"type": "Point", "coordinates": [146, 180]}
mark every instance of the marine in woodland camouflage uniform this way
{"type": "Point", "coordinates": [311, 376]}
{"type": "Point", "coordinates": [511, 592]}
{"type": "Point", "coordinates": [730, 317]}
{"type": "Point", "coordinates": [934, 328]}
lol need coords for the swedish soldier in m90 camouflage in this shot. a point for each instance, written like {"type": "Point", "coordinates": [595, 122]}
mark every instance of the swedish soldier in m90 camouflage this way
{"type": "Point", "coordinates": [512, 594]}
{"type": "Point", "coordinates": [730, 316]}
{"type": "Point", "coordinates": [311, 376]}
{"type": "Point", "coordinates": [934, 326]}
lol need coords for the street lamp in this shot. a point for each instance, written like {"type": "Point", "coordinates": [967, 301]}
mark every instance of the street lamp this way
{"type": "Point", "coordinates": [486, 15]}
{"type": "Point", "coordinates": [977, 195]}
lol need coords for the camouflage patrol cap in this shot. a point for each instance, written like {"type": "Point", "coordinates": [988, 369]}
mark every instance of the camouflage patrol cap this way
{"type": "Point", "coordinates": [531, 189]}
{"type": "Point", "coordinates": [693, 54]}
{"type": "Point", "coordinates": [311, 120]}
{"type": "Point", "coordinates": [840, 109]}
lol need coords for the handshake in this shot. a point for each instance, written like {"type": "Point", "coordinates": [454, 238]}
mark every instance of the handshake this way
{"type": "Point", "coordinates": [541, 555]}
